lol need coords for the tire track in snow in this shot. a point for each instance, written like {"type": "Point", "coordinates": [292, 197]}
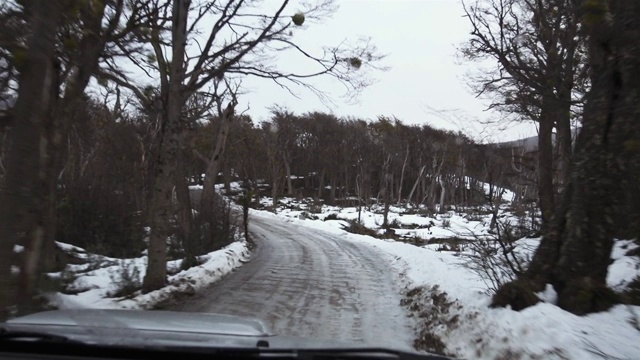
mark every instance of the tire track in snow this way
{"type": "Point", "coordinates": [309, 283]}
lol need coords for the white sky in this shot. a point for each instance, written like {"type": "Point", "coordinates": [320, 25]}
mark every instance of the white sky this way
{"type": "Point", "coordinates": [420, 38]}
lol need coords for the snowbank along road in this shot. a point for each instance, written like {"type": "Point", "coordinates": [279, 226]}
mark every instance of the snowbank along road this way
{"type": "Point", "coordinates": [308, 283]}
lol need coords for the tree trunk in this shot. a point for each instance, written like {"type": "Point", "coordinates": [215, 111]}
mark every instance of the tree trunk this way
{"type": "Point", "coordinates": [442, 195]}
{"type": "Point", "coordinates": [366, 188]}
{"type": "Point", "coordinates": [404, 165]}
{"type": "Point", "coordinates": [321, 184]}
{"type": "Point", "coordinates": [275, 175]}
{"type": "Point", "coordinates": [574, 256]}
{"type": "Point", "coordinates": [387, 200]}
{"type": "Point", "coordinates": [90, 48]}
{"type": "Point", "coordinates": [415, 185]}
{"type": "Point", "coordinates": [274, 188]}
{"type": "Point", "coordinates": [21, 210]}
{"type": "Point", "coordinates": [545, 161]}
{"type": "Point", "coordinates": [423, 192]}
{"type": "Point", "coordinates": [386, 184]}
{"type": "Point", "coordinates": [563, 125]}
{"type": "Point", "coordinates": [462, 183]}
{"type": "Point", "coordinates": [430, 195]}
{"type": "Point", "coordinates": [184, 207]}
{"type": "Point", "coordinates": [226, 171]}
{"type": "Point", "coordinates": [391, 187]}
{"type": "Point", "coordinates": [359, 193]}
{"type": "Point", "coordinates": [287, 169]}
{"type": "Point", "coordinates": [564, 136]}
{"type": "Point", "coordinates": [332, 191]}
{"type": "Point", "coordinates": [215, 164]}
{"type": "Point", "coordinates": [610, 125]}
{"type": "Point", "coordinates": [345, 188]}
{"type": "Point", "coordinates": [160, 206]}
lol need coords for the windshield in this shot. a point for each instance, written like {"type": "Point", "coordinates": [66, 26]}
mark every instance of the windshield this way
{"type": "Point", "coordinates": [432, 176]}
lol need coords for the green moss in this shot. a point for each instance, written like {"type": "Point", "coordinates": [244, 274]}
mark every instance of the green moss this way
{"type": "Point", "coordinates": [632, 145]}
{"type": "Point", "coordinates": [518, 294]}
{"type": "Point", "coordinates": [594, 12]}
{"type": "Point", "coordinates": [19, 57]}
{"type": "Point", "coordinates": [70, 43]}
{"type": "Point", "coordinates": [583, 297]}
{"type": "Point", "coordinates": [632, 295]}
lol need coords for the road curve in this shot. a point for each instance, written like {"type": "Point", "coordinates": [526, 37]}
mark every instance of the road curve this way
{"type": "Point", "coordinates": [309, 283]}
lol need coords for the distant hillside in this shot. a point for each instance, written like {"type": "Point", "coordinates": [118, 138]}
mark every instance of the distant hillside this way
{"type": "Point", "coordinates": [529, 143]}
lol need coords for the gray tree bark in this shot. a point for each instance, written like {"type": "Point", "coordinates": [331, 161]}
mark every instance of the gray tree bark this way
{"type": "Point", "coordinates": [215, 163]}
{"type": "Point", "coordinates": [574, 254]}
{"type": "Point", "coordinates": [21, 190]}
{"type": "Point", "coordinates": [287, 169]}
{"type": "Point", "coordinates": [160, 206]}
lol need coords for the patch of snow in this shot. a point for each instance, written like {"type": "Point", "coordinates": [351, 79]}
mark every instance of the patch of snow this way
{"type": "Point", "coordinates": [95, 287]}
{"type": "Point", "coordinates": [624, 269]}
{"type": "Point", "coordinates": [549, 295]}
{"type": "Point", "coordinates": [69, 247]}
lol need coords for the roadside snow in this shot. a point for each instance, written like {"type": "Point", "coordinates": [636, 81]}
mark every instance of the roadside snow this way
{"type": "Point", "coordinates": [414, 222]}
{"type": "Point", "coordinates": [625, 268]}
{"type": "Point", "coordinates": [469, 328]}
{"type": "Point", "coordinates": [96, 284]}
{"type": "Point", "coordinates": [542, 331]}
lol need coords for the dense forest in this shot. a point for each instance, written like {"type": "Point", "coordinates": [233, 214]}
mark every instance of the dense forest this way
{"type": "Point", "coordinates": [106, 174]}
{"type": "Point", "coordinates": [91, 156]}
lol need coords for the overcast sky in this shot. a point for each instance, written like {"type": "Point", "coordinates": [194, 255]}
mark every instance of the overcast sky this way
{"type": "Point", "coordinates": [420, 38]}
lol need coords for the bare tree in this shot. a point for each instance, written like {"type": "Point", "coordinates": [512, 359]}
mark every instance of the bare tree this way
{"type": "Point", "coordinates": [575, 254]}
{"type": "Point", "coordinates": [538, 75]}
{"type": "Point", "coordinates": [252, 41]}
{"type": "Point", "coordinates": [80, 39]}
{"type": "Point", "coordinates": [25, 175]}
{"type": "Point", "coordinates": [214, 161]}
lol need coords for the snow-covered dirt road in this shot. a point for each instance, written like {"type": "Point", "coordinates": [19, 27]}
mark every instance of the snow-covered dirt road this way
{"type": "Point", "coordinates": [309, 283]}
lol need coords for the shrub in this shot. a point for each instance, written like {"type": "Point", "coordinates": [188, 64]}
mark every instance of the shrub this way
{"type": "Point", "coordinates": [332, 216]}
{"type": "Point", "coordinates": [497, 260]}
{"type": "Point", "coordinates": [395, 223]}
{"type": "Point", "coordinates": [307, 216]}
{"type": "Point", "coordinates": [100, 223]}
{"type": "Point", "coordinates": [315, 208]}
{"type": "Point", "coordinates": [474, 217]}
{"type": "Point", "coordinates": [356, 227]}
{"type": "Point", "coordinates": [127, 279]}
{"type": "Point", "coordinates": [518, 293]}
{"type": "Point", "coordinates": [210, 231]}
{"type": "Point", "coordinates": [189, 262]}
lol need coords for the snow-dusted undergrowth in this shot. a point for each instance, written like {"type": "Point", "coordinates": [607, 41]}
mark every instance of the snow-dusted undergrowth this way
{"type": "Point", "coordinates": [99, 280]}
